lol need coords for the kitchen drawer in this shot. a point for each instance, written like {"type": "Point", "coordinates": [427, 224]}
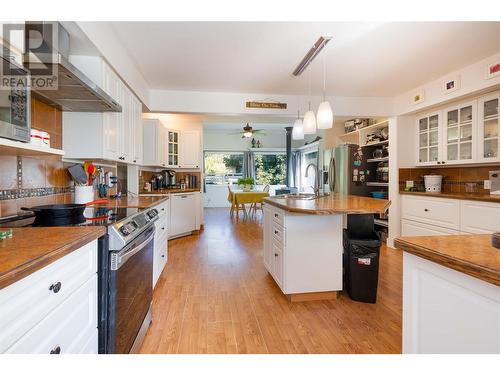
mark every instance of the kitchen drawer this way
{"type": "Point", "coordinates": [278, 216]}
{"type": "Point", "coordinates": [163, 208]}
{"type": "Point", "coordinates": [26, 302]}
{"type": "Point", "coordinates": [278, 232]}
{"type": "Point", "coordinates": [479, 217]}
{"type": "Point", "coordinates": [436, 211]}
{"type": "Point", "coordinates": [67, 329]}
{"type": "Point", "coordinates": [161, 229]}
{"type": "Point", "coordinates": [410, 228]}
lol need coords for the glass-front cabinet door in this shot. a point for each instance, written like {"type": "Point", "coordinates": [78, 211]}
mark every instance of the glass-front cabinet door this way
{"type": "Point", "coordinates": [488, 122]}
{"type": "Point", "coordinates": [173, 148]}
{"type": "Point", "coordinates": [428, 138]}
{"type": "Point", "coordinates": [460, 138]}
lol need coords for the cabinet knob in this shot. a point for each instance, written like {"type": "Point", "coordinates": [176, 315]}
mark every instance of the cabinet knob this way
{"type": "Point", "coordinates": [163, 209]}
{"type": "Point", "coordinates": [275, 232]}
{"type": "Point", "coordinates": [163, 255]}
{"type": "Point", "coordinates": [442, 162]}
{"type": "Point", "coordinates": [426, 209]}
{"type": "Point", "coordinates": [439, 162]}
{"type": "Point", "coordinates": [56, 287]}
{"type": "Point", "coordinates": [162, 228]}
{"type": "Point", "coordinates": [56, 350]}
{"type": "Point", "coordinates": [135, 161]}
{"type": "Point", "coordinates": [275, 254]}
{"type": "Point", "coordinates": [275, 215]}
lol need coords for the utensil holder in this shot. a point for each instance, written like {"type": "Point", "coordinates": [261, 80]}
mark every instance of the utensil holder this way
{"type": "Point", "coordinates": [84, 194]}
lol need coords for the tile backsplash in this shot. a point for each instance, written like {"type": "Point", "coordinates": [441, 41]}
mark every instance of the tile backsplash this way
{"type": "Point", "coordinates": [454, 178]}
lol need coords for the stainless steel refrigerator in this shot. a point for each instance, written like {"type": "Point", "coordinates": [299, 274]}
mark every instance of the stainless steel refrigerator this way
{"type": "Point", "coordinates": [346, 170]}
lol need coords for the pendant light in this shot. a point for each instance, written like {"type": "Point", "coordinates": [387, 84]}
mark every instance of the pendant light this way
{"type": "Point", "coordinates": [298, 129]}
{"type": "Point", "coordinates": [325, 114]}
{"type": "Point", "coordinates": [309, 123]}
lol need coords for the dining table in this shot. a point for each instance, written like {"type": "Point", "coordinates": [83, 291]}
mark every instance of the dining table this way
{"type": "Point", "coordinates": [241, 197]}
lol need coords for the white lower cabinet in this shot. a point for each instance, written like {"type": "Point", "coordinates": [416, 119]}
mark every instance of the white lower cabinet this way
{"type": "Point", "coordinates": [303, 253]}
{"type": "Point", "coordinates": [160, 255]}
{"type": "Point", "coordinates": [183, 213]}
{"type": "Point", "coordinates": [53, 307]}
{"type": "Point", "coordinates": [410, 228]}
{"type": "Point", "coordinates": [479, 217]}
{"type": "Point", "coordinates": [446, 311]}
{"type": "Point", "coordinates": [429, 216]}
{"type": "Point", "coordinates": [68, 328]}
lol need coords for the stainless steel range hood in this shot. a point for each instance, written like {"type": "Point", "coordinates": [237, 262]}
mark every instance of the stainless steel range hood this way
{"type": "Point", "coordinates": [75, 92]}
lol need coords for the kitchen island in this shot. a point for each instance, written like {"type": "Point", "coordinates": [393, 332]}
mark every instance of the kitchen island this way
{"type": "Point", "coordinates": [451, 294]}
{"type": "Point", "coordinates": [303, 241]}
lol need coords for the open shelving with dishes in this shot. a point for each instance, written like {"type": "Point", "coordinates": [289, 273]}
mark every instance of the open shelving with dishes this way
{"type": "Point", "coordinates": [362, 137]}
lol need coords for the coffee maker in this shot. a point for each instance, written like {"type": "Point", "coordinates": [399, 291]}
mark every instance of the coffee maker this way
{"type": "Point", "coordinates": [170, 179]}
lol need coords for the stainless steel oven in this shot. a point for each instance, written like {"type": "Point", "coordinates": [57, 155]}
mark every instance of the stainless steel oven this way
{"type": "Point", "coordinates": [131, 293]}
{"type": "Point", "coordinates": [14, 101]}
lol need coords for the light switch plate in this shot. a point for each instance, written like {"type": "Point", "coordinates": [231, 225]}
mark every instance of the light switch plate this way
{"type": "Point", "coordinates": [409, 184]}
{"type": "Point", "coordinates": [487, 185]}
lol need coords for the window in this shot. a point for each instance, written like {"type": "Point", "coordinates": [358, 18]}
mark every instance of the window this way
{"type": "Point", "coordinates": [270, 168]}
{"type": "Point", "coordinates": [223, 167]}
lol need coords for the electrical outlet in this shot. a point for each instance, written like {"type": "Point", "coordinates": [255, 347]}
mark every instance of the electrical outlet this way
{"type": "Point", "coordinates": [409, 184]}
{"type": "Point", "coordinates": [487, 185]}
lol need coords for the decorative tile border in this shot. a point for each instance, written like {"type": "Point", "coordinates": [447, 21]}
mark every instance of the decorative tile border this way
{"type": "Point", "coordinates": [36, 192]}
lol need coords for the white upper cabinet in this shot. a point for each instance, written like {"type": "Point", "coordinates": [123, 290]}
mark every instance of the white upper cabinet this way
{"type": "Point", "coordinates": [190, 148]}
{"type": "Point", "coordinates": [173, 148]}
{"type": "Point", "coordinates": [488, 124]}
{"type": "Point", "coordinates": [460, 133]}
{"type": "Point", "coordinates": [429, 134]}
{"type": "Point", "coordinates": [154, 143]}
{"type": "Point", "coordinates": [464, 133]}
{"type": "Point", "coordinates": [170, 148]}
{"type": "Point", "coordinates": [114, 136]}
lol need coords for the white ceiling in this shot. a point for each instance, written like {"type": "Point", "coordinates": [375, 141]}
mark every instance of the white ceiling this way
{"type": "Point", "coordinates": [363, 59]}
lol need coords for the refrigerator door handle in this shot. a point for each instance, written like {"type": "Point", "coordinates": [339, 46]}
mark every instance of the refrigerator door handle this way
{"type": "Point", "coordinates": [331, 175]}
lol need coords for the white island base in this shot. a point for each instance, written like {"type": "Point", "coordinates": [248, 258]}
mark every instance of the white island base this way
{"type": "Point", "coordinates": [303, 253]}
{"type": "Point", "coordinates": [446, 311]}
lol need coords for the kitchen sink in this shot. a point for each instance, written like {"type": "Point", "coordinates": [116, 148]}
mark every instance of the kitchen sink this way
{"type": "Point", "coordinates": [298, 196]}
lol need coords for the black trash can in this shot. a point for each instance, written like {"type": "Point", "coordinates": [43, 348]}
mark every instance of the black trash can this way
{"type": "Point", "coordinates": [361, 261]}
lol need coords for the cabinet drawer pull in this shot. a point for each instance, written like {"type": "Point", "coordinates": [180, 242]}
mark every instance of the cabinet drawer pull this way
{"type": "Point", "coordinates": [426, 209]}
{"type": "Point", "coordinates": [56, 350]}
{"type": "Point", "coordinates": [163, 209]}
{"type": "Point", "coordinates": [184, 196]}
{"type": "Point", "coordinates": [56, 287]}
{"type": "Point", "coordinates": [276, 215]}
{"type": "Point", "coordinates": [163, 256]}
{"type": "Point", "coordinates": [162, 228]}
{"type": "Point", "coordinates": [275, 254]}
{"type": "Point", "coordinates": [275, 232]}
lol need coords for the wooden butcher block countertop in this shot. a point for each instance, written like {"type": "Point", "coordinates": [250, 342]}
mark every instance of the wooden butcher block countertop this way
{"type": "Point", "coordinates": [469, 254]}
{"type": "Point", "coordinates": [331, 204]}
{"type": "Point", "coordinates": [465, 196]}
{"type": "Point", "coordinates": [33, 248]}
{"type": "Point", "coordinates": [134, 202]}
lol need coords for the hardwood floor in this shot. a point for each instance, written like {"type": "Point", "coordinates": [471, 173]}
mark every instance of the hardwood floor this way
{"type": "Point", "coordinates": [215, 296]}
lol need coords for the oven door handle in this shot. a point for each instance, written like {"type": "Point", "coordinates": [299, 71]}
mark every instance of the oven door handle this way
{"type": "Point", "coordinates": [122, 258]}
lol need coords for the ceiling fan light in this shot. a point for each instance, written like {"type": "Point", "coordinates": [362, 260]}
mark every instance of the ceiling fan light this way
{"type": "Point", "coordinates": [298, 130]}
{"type": "Point", "coordinates": [247, 134]}
{"type": "Point", "coordinates": [309, 123]}
{"type": "Point", "coordinates": [324, 117]}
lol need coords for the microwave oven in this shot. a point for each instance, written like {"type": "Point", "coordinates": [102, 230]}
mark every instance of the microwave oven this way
{"type": "Point", "coordinates": [15, 121]}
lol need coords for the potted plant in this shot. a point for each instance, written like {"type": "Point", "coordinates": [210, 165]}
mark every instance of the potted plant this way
{"type": "Point", "coordinates": [246, 183]}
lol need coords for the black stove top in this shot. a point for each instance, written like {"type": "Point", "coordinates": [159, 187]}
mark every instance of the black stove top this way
{"type": "Point", "coordinates": [93, 216]}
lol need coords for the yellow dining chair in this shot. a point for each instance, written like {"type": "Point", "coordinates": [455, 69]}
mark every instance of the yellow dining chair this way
{"type": "Point", "coordinates": [265, 190]}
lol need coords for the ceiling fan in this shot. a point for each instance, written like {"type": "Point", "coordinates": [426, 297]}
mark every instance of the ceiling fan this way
{"type": "Point", "coordinates": [248, 131]}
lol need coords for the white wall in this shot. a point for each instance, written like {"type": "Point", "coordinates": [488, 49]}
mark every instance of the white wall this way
{"type": "Point", "coordinates": [234, 103]}
{"type": "Point", "coordinates": [473, 81]}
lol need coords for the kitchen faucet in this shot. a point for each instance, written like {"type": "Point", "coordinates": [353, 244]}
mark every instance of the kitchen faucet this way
{"type": "Point", "coordinates": [316, 180]}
